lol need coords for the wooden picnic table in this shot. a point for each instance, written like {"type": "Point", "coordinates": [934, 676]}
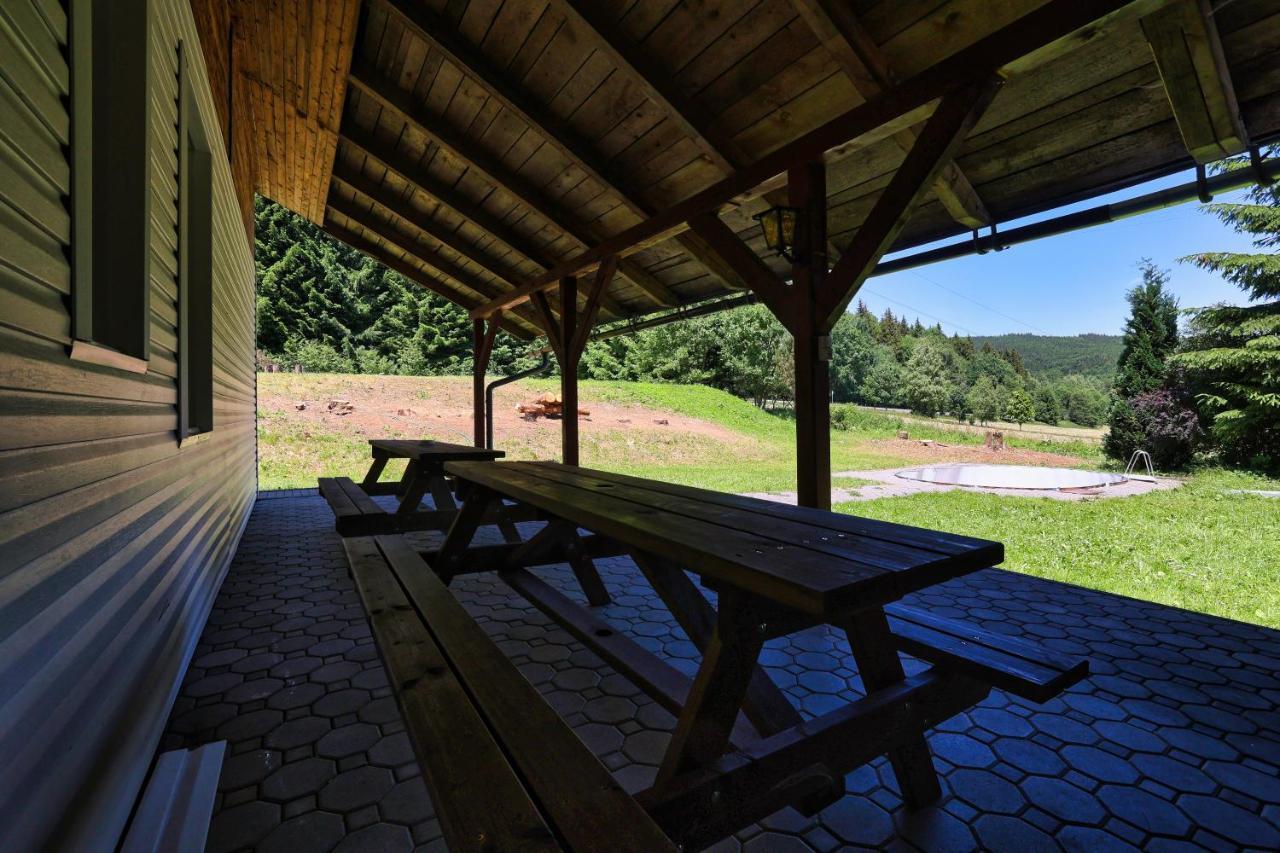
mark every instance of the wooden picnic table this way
{"type": "Point", "coordinates": [357, 514]}
{"type": "Point", "coordinates": [425, 471]}
{"type": "Point", "coordinates": [776, 569]}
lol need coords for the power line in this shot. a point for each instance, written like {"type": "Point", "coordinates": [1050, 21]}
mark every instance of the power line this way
{"type": "Point", "coordinates": [918, 311]}
{"type": "Point", "coordinates": [979, 304]}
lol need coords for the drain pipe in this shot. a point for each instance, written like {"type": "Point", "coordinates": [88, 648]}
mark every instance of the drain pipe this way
{"type": "Point", "coordinates": [507, 380]}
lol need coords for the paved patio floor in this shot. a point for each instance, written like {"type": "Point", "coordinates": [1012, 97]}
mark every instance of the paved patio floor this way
{"type": "Point", "coordinates": [1172, 743]}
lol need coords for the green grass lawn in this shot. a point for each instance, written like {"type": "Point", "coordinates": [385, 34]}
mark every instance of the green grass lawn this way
{"type": "Point", "coordinates": [1195, 547]}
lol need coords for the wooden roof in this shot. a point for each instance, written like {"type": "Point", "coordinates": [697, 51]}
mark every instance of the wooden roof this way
{"type": "Point", "coordinates": [482, 142]}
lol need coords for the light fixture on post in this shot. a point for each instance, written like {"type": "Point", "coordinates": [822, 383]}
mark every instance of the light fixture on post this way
{"type": "Point", "coordinates": [779, 225]}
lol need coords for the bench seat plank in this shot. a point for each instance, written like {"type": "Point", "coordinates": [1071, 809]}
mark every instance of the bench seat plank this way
{"type": "Point", "coordinates": [1011, 664]}
{"type": "Point", "coordinates": [589, 810]}
{"type": "Point", "coordinates": [481, 803]}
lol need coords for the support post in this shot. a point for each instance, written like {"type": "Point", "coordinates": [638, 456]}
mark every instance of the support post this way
{"type": "Point", "coordinates": [807, 188]}
{"type": "Point", "coordinates": [568, 371]}
{"type": "Point", "coordinates": [482, 348]}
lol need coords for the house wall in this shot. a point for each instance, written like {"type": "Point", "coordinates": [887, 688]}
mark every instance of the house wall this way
{"type": "Point", "coordinates": [113, 539]}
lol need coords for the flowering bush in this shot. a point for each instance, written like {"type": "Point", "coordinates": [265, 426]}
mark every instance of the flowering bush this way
{"type": "Point", "coordinates": [1157, 423]}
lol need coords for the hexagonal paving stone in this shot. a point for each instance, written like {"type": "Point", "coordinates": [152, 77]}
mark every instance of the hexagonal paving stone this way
{"type": "Point", "coordinates": [297, 732]}
{"type": "Point", "coordinates": [858, 820]}
{"type": "Point", "coordinates": [379, 838]}
{"type": "Point", "coordinates": [347, 740]}
{"type": "Point", "coordinates": [646, 747]}
{"type": "Point", "coordinates": [340, 702]}
{"type": "Point", "coordinates": [610, 709]}
{"type": "Point", "coordinates": [247, 768]}
{"type": "Point", "coordinates": [297, 779]}
{"type": "Point", "coordinates": [392, 751]}
{"type": "Point", "coordinates": [407, 803]}
{"type": "Point", "coordinates": [363, 786]}
{"type": "Point", "coordinates": [312, 831]}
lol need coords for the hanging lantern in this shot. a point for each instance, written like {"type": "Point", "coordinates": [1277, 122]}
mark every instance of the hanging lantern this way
{"type": "Point", "coordinates": [779, 227]}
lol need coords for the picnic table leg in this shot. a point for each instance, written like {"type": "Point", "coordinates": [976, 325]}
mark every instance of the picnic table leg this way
{"type": "Point", "coordinates": [506, 526]}
{"type": "Point", "coordinates": [375, 468]}
{"type": "Point", "coordinates": [441, 494]}
{"type": "Point", "coordinates": [879, 666]}
{"type": "Point", "coordinates": [416, 482]}
{"type": "Point", "coordinates": [706, 722]}
{"type": "Point", "coordinates": [449, 558]}
{"type": "Point", "coordinates": [562, 536]}
{"type": "Point", "coordinates": [766, 707]}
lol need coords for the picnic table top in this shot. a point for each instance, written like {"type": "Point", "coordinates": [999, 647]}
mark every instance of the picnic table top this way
{"type": "Point", "coordinates": [432, 450]}
{"type": "Point", "coordinates": [822, 563]}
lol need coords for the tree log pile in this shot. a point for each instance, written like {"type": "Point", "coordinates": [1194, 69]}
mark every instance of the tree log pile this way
{"type": "Point", "coordinates": [546, 406]}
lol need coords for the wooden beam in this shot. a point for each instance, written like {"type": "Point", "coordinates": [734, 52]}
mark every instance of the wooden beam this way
{"type": "Point", "coordinates": [600, 284]}
{"type": "Point", "coordinates": [593, 21]}
{"type": "Point", "coordinates": [807, 191]}
{"type": "Point", "coordinates": [866, 66]}
{"type": "Point", "coordinates": [568, 372]}
{"type": "Point", "coordinates": [941, 136]}
{"type": "Point", "coordinates": [522, 329]}
{"type": "Point", "coordinates": [899, 107]}
{"type": "Point", "coordinates": [1193, 68]}
{"type": "Point", "coordinates": [721, 241]}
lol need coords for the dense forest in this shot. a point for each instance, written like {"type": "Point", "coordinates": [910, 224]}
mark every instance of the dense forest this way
{"type": "Point", "coordinates": [1055, 356]}
{"type": "Point", "coordinates": [328, 308]}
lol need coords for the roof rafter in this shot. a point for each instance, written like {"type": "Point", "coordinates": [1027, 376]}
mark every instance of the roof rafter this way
{"type": "Point", "coordinates": [395, 163]}
{"type": "Point", "coordinates": [438, 33]}
{"type": "Point", "coordinates": [495, 173]}
{"type": "Point", "coordinates": [367, 220]}
{"type": "Point", "coordinates": [864, 63]}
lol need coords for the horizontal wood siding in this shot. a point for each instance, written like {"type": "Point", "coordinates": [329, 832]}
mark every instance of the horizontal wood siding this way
{"type": "Point", "coordinates": [113, 539]}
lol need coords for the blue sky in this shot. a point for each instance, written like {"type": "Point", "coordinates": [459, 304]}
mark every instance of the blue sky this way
{"type": "Point", "coordinates": [1069, 284]}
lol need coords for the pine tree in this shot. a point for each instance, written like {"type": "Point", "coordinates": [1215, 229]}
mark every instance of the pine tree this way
{"type": "Point", "coordinates": [1232, 356]}
{"type": "Point", "coordinates": [1150, 334]}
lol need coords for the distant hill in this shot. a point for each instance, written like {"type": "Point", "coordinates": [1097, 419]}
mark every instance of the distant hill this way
{"type": "Point", "coordinates": [1055, 356]}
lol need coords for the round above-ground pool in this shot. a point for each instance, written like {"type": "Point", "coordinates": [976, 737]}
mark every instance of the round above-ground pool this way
{"type": "Point", "coordinates": [1011, 477]}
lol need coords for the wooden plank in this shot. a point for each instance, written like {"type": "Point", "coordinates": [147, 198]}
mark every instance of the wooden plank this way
{"type": "Point", "coordinates": [942, 135]}
{"type": "Point", "coordinates": [361, 501]}
{"type": "Point", "coordinates": [751, 783]}
{"type": "Point", "coordinates": [1012, 664]}
{"type": "Point", "coordinates": [589, 810]}
{"type": "Point", "coordinates": [1193, 68]}
{"type": "Point", "coordinates": [432, 451]}
{"type": "Point", "coordinates": [706, 721]}
{"type": "Point", "coordinates": [793, 575]}
{"type": "Point", "coordinates": [594, 23]}
{"type": "Point", "coordinates": [513, 324]}
{"type": "Point", "coordinates": [480, 801]}
{"type": "Point", "coordinates": [880, 668]}
{"type": "Point", "coordinates": [899, 547]}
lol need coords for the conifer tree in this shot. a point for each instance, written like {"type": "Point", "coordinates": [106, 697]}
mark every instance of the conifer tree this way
{"type": "Point", "coordinates": [1150, 334]}
{"type": "Point", "coordinates": [1232, 356]}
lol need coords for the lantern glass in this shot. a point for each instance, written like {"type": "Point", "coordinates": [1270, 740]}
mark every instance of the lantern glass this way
{"type": "Point", "coordinates": [779, 227]}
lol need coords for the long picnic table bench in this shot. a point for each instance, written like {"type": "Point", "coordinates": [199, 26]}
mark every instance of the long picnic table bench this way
{"type": "Point", "coordinates": [776, 569]}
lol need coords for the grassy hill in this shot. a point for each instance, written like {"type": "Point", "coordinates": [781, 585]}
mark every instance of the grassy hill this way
{"type": "Point", "coordinates": [682, 433]}
{"type": "Point", "coordinates": [1055, 356]}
